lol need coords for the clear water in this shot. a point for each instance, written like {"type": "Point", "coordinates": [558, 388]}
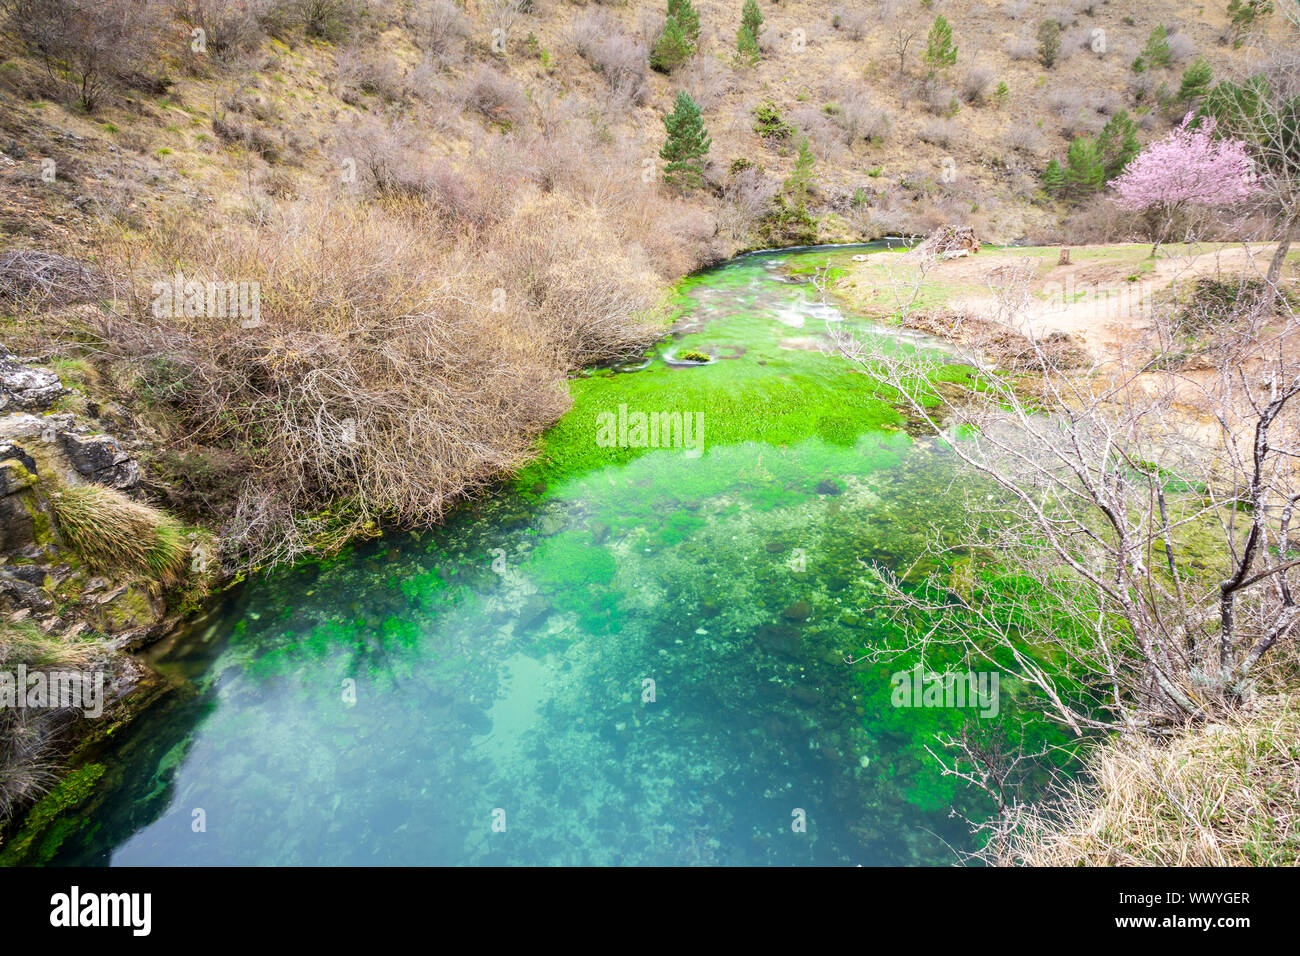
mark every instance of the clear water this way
{"type": "Point", "coordinates": [500, 664]}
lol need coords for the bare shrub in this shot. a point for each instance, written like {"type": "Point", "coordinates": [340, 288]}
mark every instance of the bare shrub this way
{"type": "Point", "coordinates": [860, 118]}
{"type": "Point", "coordinates": [1181, 47]}
{"type": "Point", "coordinates": [1064, 14]}
{"type": "Point", "coordinates": [34, 278]}
{"type": "Point", "coordinates": [1099, 220]}
{"type": "Point", "coordinates": [886, 11]}
{"type": "Point", "coordinates": [975, 84]}
{"type": "Point", "coordinates": [388, 160]}
{"type": "Point", "coordinates": [819, 126]}
{"type": "Point", "coordinates": [1072, 108]}
{"type": "Point", "coordinates": [326, 19]}
{"type": "Point", "coordinates": [852, 21]}
{"type": "Point", "coordinates": [746, 201]}
{"type": "Point", "coordinates": [91, 47]}
{"type": "Point", "coordinates": [1026, 138]}
{"type": "Point", "coordinates": [495, 96]}
{"type": "Point", "coordinates": [940, 132]}
{"type": "Point", "coordinates": [1021, 48]}
{"type": "Point", "coordinates": [707, 80]}
{"type": "Point", "coordinates": [379, 383]}
{"type": "Point", "coordinates": [937, 97]}
{"type": "Point", "coordinates": [1105, 102]}
{"type": "Point", "coordinates": [230, 28]}
{"type": "Point", "coordinates": [503, 15]}
{"type": "Point", "coordinates": [621, 59]}
{"type": "Point", "coordinates": [1076, 40]}
{"type": "Point", "coordinates": [439, 28]}
{"type": "Point", "coordinates": [360, 70]}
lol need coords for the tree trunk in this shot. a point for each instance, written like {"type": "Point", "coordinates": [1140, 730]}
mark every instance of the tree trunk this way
{"type": "Point", "coordinates": [1275, 268]}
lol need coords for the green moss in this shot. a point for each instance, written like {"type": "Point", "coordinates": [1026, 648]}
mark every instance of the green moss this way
{"type": "Point", "coordinates": [46, 821]}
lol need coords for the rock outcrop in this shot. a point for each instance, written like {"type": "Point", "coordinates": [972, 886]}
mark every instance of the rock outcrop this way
{"type": "Point", "coordinates": [45, 447]}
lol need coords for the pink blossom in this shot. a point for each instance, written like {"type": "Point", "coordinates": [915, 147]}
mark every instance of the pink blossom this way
{"type": "Point", "coordinates": [1187, 166]}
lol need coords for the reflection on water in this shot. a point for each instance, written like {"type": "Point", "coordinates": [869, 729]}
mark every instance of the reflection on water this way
{"type": "Point", "coordinates": [633, 657]}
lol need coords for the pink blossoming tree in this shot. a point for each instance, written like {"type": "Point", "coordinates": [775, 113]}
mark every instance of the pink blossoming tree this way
{"type": "Point", "coordinates": [1188, 167]}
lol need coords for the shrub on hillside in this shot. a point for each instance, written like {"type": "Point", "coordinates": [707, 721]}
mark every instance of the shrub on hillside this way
{"type": "Point", "coordinates": [362, 71]}
{"type": "Point", "coordinates": [975, 84]}
{"type": "Point", "coordinates": [860, 118]}
{"type": "Point", "coordinates": [941, 132]}
{"type": "Point", "coordinates": [494, 95]}
{"type": "Point", "coordinates": [439, 28]}
{"type": "Point", "coordinates": [851, 21]}
{"type": "Point", "coordinates": [329, 20]}
{"type": "Point", "coordinates": [382, 381]}
{"type": "Point", "coordinates": [92, 47]}
{"type": "Point", "coordinates": [707, 80]}
{"type": "Point", "coordinates": [230, 27]}
{"type": "Point", "coordinates": [621, 59]}
{"type": "Point", "coordinates": [1020, 49]}
{"type": "Point", "coordinates": [1026, 137]}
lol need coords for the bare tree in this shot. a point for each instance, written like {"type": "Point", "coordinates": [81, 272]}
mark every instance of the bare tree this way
{"type": "Point", "coordinates": [1136, 566]}
{"type": "Point", "coordinates": [900, 41]}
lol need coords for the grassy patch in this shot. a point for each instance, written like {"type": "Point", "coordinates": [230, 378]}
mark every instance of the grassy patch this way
{"type": "Point", "coordinates": [112, 533]}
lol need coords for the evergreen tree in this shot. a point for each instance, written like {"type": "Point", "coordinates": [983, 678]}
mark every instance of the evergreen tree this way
{"type": "Point", "coordinates": [1243, 13]}
{"type": "Point", "coordinates": [1084, 172]}
{"type": "Point", "coordinates": [1156, 54]}
{"type": "Point", "coordinates": [687, 19]}
{"type": "Point", "coordinates": [673, 48]}
{"type": "Point", "coordinates": [1054, 178]}
{"type": "Point", "coordinates": [687, 143]}
{"type": "Point", "coordinates": [751, 22]}
{"type": "Point", "coordinates": [1117, 144]}
{"type": "Point", "coordinates": [800, 181]}
{"type": "Point", "coordinates": [1196, 80]}
{"type": "Point", "coordinates": [939, 49]}
{"type": "Point", "coordinates": [1049, 43]}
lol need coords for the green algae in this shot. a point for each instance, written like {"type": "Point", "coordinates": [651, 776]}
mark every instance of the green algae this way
{"type": "Point", "coordinates": [501, 661]}
{"type": "Point", "coordinates": [49, 823]}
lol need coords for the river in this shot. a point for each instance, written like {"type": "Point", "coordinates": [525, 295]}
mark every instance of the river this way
{"type": "Point", "coordinates": [630, 655]}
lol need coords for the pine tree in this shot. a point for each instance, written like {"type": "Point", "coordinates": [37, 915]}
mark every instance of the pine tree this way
{"type": "Point", "coordinates": [1054, 178]}
{"type": "Point", "coordinates": [1117, 144]}
{"type": "Point", "coordinates": [1157, 53]}
{"type": "Point", "coordinates": [1196, 80]}
{"type": "Point", "coordinates": [751, 22]}
{"type": "Point", "coordinates": [939, 50]}
{"type": "Point", "coordinates": [1084, 173]}
{"type": "Point", "coordinates": [800, 181]}
{"type": "Point", "coordinates": [687, 143]}
{"type": "Point", "coordinates": [1049, 43]}
{"type": "Point", "coordinates": [687, 19]}
{"type": "Point", "coordinates": [672, 49]}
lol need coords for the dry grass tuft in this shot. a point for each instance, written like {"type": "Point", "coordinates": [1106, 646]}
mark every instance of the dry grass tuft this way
{"type": "Point", "coordinates": [112, 533]}
{"type": "Point", "coordinates": [1223, 794]}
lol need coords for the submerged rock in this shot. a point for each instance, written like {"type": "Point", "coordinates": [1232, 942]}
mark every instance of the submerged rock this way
{"type": "Point", "coordinates": [798, 611]}
{"type": "Point", "coordinates": [829, 486]}
{"type": "Point", "coordinates": [779, 639]}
